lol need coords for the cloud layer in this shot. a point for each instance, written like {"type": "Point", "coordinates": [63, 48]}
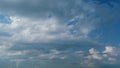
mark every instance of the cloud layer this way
{"type": "Point", "coordinates": [55, 33]}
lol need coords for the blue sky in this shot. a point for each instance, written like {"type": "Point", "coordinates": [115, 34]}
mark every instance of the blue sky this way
{"type": "Point", "coordinates": [59, 33]}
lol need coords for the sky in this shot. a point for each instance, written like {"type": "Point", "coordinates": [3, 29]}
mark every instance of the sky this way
{"type": "Point", "coordinates": [59, 33]}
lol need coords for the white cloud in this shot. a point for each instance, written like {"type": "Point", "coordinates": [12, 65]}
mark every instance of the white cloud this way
{"type": "Point", "coordinates": [24, 29]}
{"type": "Point", "coordinates": [108, 49]}
{"type": "Point", "coordinates": [111, 50]}
{"type": "Point", "coordinates": [109, 55]}
{"type": "Point", "coordinates": [94, 54]}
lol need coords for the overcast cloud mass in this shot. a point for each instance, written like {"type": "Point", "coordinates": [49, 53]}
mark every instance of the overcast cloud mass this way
{"type": "Point", "coordinates": [59, 34]}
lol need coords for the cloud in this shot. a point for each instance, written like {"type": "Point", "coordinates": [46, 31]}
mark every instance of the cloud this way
{"type": "Point", "coordinates": [54, 31]}
{"type": "Point", "coordinates": [94, 54]}
{"type": "Point", "coordinates": [64, 19]}
{"type": "Point", "coordinates": [111, 50]}
{"type": "Point", "coordinates": [63, 10]}
{"type": "Point", "coordinates": [108, 56]}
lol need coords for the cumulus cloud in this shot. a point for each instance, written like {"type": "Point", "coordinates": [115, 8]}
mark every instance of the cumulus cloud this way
{"type": "Point", "coordinates": [107, 56]}
{"type": "Point", "coordinates": [111, 50]}
{"type": "Point", "coordinates": [94, 54]}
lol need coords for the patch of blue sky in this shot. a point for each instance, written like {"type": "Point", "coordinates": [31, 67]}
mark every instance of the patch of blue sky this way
{"type": "Point", "coordinates": [5, 19]}
{"type": "Point", "coordinates": [108, 2]}
{"type": "Point", "coordinates": [107, 33]}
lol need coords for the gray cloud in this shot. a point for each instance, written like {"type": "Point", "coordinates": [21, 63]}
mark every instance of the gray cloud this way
{"type": "Point", "coordinates": [62, 9]}
{"type": "Point", "coordinates": [52, 33]}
